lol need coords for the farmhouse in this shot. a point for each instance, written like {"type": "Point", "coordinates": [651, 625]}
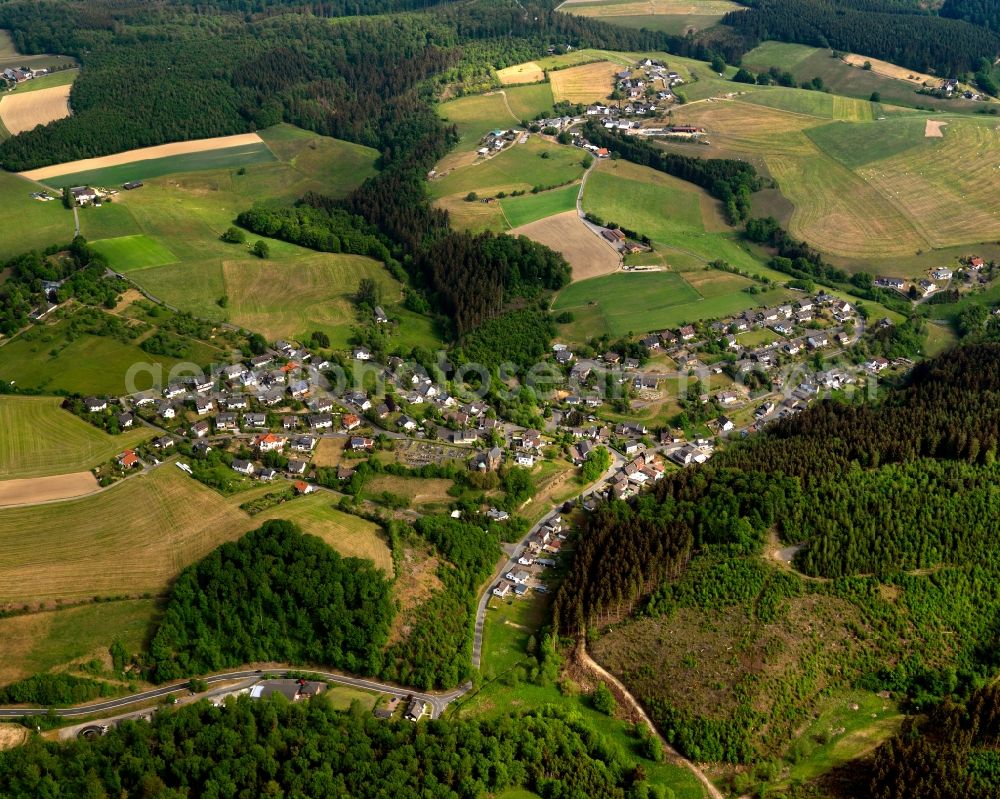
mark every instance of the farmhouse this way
{"type": "Point", "coordinates": [613, 235]}
{"type": "Point", "coordinates": [82, 195]}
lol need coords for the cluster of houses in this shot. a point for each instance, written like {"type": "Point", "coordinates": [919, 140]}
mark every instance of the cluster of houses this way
{"type": "Point", "coordinates": [937, 278]}
{"type": "Point", "coordinates": [950, 87]}
{"type": "Point", "coordinates": [540, 552]}
{"type": "Point", "coordinates": [496, 140]}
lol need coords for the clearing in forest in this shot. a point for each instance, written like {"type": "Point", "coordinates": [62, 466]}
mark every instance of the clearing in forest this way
{"type": "Point", "coordinates": [21, 111]}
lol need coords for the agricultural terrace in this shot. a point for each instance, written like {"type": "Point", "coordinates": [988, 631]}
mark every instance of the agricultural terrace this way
{"type": "Point", "coordinates": [863, 188]}
{"type": "Point", "coordinates": [21, 111]}
{"type": "Point", "coordinates": [40, 438]}
{"type": "Point", "coordinates": [351, 536]}
{"type": "Point", "coordinates": [669, 16]}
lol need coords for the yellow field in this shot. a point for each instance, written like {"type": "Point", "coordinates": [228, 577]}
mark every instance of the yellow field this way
{"type": "Point", "coordinates": [23, 111]}
{"type": "Point", "coordinates": [418, 490]}
{"type": "Point", "coordinates": [933, 192]}
{"type": "Point", "coordinates": [584, 84]}
{"type": "Point", "coordinates": [587, 254]}
{"type": "Point", "coordinates": [329, 452]}
{"type": "Point", "coordinates": [948, 186]}
{"type": "Point", "coordinates": [528, 72]}
{"type": "Point", "coordinates": [350, 535]}
{"type": "Point", "coordinates": [889, 70]}
{"type": "Point", "coordinates": [840, 213]}
{"type": "Point", "coordinates": [141, 154]}
{"type": "Point", "coordinates": [39, 438]}
{"type": "Point", "coordinates": [133, 538]}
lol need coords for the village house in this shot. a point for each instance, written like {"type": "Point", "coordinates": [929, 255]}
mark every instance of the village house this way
{"type": "Point", "coordinates": [203, 405]}
{"type": "Point", "coordinates": [199, 429]}
{"type": "Point", "coordinates": [267, 474]}
{"type": "Point", "coordinates": [254, 421]}
{"type": "Point", "coordinates": [379, 314]}
{"type": "Point", "coordinates": [129, 460]}
{"type": "Point", "coordinates": [268, 442]}
{"type": "Point", "coordinates": [303, 443]}
{"type": "Point", "coordinates": [163, 442]}
{"type": "Point", "coordinates": [95, 404]}
{"type": "Point", "coordinates": [297, 467]}
{"type": "Point", "coordinates": [324, 421]}
{"type": "Point", "coordinates": [125, 420]}
{"type": "Point", "coordinates": [359, 443]}
{"type": "Point", "coordinates": [243, 467]}
{"type": "Point", "coordinates": [225, 421]}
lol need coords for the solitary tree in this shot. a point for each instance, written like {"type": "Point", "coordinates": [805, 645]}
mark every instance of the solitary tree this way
{"type": "Point", "coordinates": [260, 249]}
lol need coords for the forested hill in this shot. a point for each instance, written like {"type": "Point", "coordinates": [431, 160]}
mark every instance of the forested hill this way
{"type": "Point", "coordinates": [895, 500]}
{"type": "Point", "coordinates": [899, 33]}
{"type": "Point", "coordinates": [949, 410]}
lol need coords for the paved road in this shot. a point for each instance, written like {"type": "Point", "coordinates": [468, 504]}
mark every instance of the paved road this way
{"type": "Point", "coordinates": [438, 702]}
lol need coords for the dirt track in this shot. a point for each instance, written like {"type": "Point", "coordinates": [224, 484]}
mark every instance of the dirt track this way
{"type": "Point", "coordinates": [142, 154]}
{"type": "Point", "coordinates": [24, 111]}
{"type": "Point", "coordinates": [566, 233]}
{"type": "Point", "coordinates": [34, 490]}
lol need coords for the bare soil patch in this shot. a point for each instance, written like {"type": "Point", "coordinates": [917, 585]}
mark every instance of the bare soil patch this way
{"type": "Point", "coordinates": [934, 129]}
{"type": "Point", "coordinates": [889, 70]}
{"type": "Point", "coordinates": [32, 490]}
{"type": "Point", "coordinates": [566, 233]}
{"type": "Point", "coordinates": [131, 156]}
{"type": "Point", "coordinates": [25, 111]}
{"type": "Point", "coordinates": [12, 735]}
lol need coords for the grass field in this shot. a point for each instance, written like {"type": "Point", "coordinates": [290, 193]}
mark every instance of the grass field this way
{"type": "Point", "coordinates": [126, 253]}
{"type": "Point", "coordinates": [863, 189]}
{"type": "Point", "coordinates": [587, 83]}
{"type": "Point", "coordinates": [29, 224]}
{"type": "Point", "coordinates": [527, 102]}
{"type": "Point", "coordinates": [63, 77]}
{"type": "Point", "coordinates": [627, 302]}
{"type": "Point", "coordinates": [782, 55]}
{"type": "Point", "coordinates": [519, 167]}
{"type": "Point", "coordinates": [166, 236]}
{"type": "Point", "coordinates": [315, 293]}
{"type": "Point", "coordinates": [669, 16]}
{"type": "Point", "coordinates": [418, 490]}
{"type": "Point", "coordinates": [40, 438]}
{"type": "Point", "coordinates": [522, 210]}
{"type": "Point", "coordinates": [350, 535]}
{"type": "Point", "coordinates": [50, 358]}
{"type": "Point", "coordinates": [51, 640]}
{"type": "Point", "coordinates": [225, 158]}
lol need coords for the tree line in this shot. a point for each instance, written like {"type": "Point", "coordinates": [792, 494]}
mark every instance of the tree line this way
{"type": "Point", "coordinates": [276, 748]}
